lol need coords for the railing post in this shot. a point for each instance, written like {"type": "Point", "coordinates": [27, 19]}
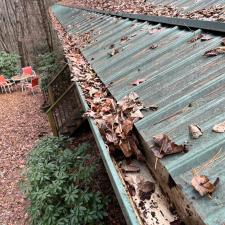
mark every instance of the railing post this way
{"type": "Point", "coordinates": [50, 94]}
{"type": "Point", "coordinates": [52, 123]}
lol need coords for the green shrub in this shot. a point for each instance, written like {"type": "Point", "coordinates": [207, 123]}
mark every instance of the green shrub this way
{"type": "Point", "coordinates": [57, 184]}
{"type": "Point", "coordinates": [9, 64]}
{"type": "Point", "coordinates": [48, 67]}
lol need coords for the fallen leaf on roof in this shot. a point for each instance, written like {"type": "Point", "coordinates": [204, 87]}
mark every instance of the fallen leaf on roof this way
{"type": "Point", "coordinates": [154, 30]}
{"type": "Point", "coordinates": [124, 39]}
{"type": "Point", "coordinates": [165, 146]}
{"type": "Point", "coordinates": [195, 131]}
{"type": "Point", "coordinates": [133, 35]}
{"type": "Point", "coordinates": [146, 189]}
{"type": "Point", "coordinates": [151, 107]}
{"type": "Point", "coordinates": [194, 39]}
{"type": "Point", "coordinates": [211, 53]}
{"type": "Point", "coordinates": [130, 168]}
{"type": "Point", "coordinates": [215, 52]}
{"type": "Point", "coordinates": [114, 52]}
{"type": "Point", "coordinates": [219, 128]}
{"type": "Point", "coordinates": [137, 82]}
{"type": "Point", "coordinates": [221, 50]}
{"type": "Point", "coordinates": [206, 37]}
{"type": "Point", "coordinates": [203, 185]}
{"type": "Point", "coordinates": [153, 46]}
{"type": "Point", "coordinates": [133, 96]}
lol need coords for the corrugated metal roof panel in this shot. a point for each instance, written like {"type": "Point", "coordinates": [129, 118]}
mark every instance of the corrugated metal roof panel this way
{"type": "Point", "coordinates": [187, 86]}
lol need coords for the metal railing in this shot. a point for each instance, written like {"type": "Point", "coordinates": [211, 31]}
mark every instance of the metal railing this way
{"type": "Point", "coordinates": [64, 113]}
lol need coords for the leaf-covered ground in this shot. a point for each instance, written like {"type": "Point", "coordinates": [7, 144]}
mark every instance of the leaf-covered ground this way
{"type": "Point", "coordinates": [21, 124]}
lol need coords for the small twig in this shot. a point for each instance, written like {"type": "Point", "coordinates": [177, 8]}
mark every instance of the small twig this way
{"type": "Point", "coordinates": [156, 161]}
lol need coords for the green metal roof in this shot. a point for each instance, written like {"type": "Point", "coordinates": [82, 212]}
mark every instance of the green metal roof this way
{"type": "Point", "coordinates": [188, 5]}
{"type": "Point", "coordinates": [188, 88]}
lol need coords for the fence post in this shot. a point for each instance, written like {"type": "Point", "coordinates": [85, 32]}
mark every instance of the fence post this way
{"type": "Point", "coordinates": [52, 123]}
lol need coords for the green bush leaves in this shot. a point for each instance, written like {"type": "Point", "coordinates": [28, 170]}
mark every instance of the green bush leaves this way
{"type": "Point", "coordinates": [57, 184]}
{"type": "Point", "coordinates": [9, 64]}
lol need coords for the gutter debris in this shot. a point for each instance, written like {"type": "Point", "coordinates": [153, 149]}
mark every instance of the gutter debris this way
{"type": "Point", "coordinates": [115, 122]}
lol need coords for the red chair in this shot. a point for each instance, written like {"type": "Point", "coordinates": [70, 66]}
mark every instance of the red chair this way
{"type": "Point", "coordinates": [33, 85]}
{"type": "Point", "coordinates": [28, 71]}
{"type": "Point", "coordinates": [5, 84]}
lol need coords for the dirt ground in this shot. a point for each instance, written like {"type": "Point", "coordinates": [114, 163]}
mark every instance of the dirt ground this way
{"type": "Point", "coordinates": [22, 123]}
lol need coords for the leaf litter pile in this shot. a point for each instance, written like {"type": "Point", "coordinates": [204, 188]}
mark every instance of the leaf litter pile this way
{"type": "Point", "coordinates": [114, 120]}
{"type": "Point", "coordinates": [22, 124]}
{"type": "Point", "coordinates": [212, 13]}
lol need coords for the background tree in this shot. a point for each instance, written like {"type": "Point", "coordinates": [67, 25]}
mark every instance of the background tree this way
{"type": "Point", "coordinates": [25, 29]}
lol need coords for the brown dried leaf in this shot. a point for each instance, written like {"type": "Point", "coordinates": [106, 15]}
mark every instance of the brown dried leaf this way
{"type": "Point", "coordinates": [114, 52]}
{"type": "Point", "coordinates": [211, 53]}
{"type": "Point", "coordinates": [154, 30]}
{"type": "Point", "coordinates": [206, 37]}
{"type": "Point", "coordinates": [221, 50]}
{"type": "Point", "coordinates": [111, 138]}
{"type": "Point", "coordinates": [127, 126]}
{"type": "Point", "coordinates": [133, 145]}
{"type": "Point", "coordinates": [90, 114]}
{"type": "Point", "coordinates": [195, 131]}
{"type": "Point", "coordinates": [153, 46]}
{"type": "Point", "coordinates": [165, 146]}
{"type": "Point", "coordinates": [124, 145]}
{"type": "Point", "coordinates": [137, 82]}
{"type": "Point", "coordinates": [219, 128]}
{"type": "Point", "coordinates": [130, 168]}
{"type": "Point", "coordinates": [137, 115]}
{"type": "Point", "coordinates": [203, 185]}
{"type": "Point", "coordinates": [124, 39]}
{"type": "Point", "coordinates": [133, 96]}
{"type": "Point", "coordinates": [146, 189]}
{"type": "Point", "coordinates": [215, 52]}
{"type": "Point", "coordinates": [92, 91]}
{"type": "Point", "coordinates": [119, 129]}
{"type": "Point", "coordinates": [194, 39]}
